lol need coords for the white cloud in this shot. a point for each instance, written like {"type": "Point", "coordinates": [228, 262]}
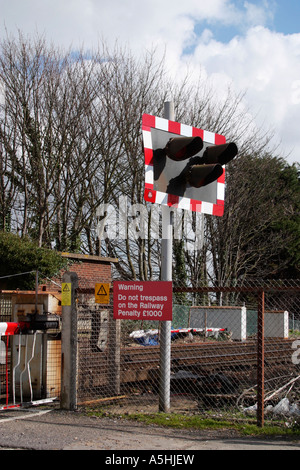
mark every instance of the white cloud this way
{"type": "Point", "coordinates": [259, 14]}
{"type": "Point", "coordinates": [140, 23]}
{"type": "Point", "coordinates": [265, 64]}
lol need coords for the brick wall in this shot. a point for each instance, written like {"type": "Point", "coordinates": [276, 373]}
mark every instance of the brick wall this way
{"type": "Point", "coordinates": [90, 270]}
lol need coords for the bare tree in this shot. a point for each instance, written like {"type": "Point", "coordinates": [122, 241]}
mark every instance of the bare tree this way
{"type": "Point", "coordinates": [70, 140]}
{"type": "Point", "coordinates": [47, 140]}
{"type": "Point", "coordinates": [245, 241]}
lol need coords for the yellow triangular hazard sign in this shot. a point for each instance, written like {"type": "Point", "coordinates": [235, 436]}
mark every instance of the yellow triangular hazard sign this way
{"type": "Point", "coordinates": [102, 293]}
{"type": "Point", "coordinates": [102, 290]}
{"type": "Point", "coordinates": [66, 293]}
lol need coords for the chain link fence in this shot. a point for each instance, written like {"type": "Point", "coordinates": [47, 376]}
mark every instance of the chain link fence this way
{"type": "Point", "coordinates": [233, 350]}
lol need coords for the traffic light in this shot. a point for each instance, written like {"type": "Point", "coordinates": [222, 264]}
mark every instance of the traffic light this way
{"type": "Point", "coordinates": [199, 170]}
{"type": "Point", "coordinates": [221, 154]}
{"type": "Point", "coordinates": [209, 167]}
{"type": "Point", "coordinates": [181, 148]}
{"type": "Point", "coordinates": [201, 175]}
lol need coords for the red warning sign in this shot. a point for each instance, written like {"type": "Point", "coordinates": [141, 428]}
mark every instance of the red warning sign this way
{"type": "Point", "coordinates": [149, 300]}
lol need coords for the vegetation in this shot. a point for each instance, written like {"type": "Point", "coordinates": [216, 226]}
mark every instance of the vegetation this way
{"type": "Point", "coordinates": [179, 421]}
{"type": "Point", "coordinates": [258, 236]}
{"type": "Point", "coordinates": [19, 256]}
{"type": "Point", "coordinates": [70, 140]}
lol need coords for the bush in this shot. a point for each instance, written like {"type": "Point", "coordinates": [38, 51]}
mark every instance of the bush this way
{"type": "Point", "coordinates": [21, 255]}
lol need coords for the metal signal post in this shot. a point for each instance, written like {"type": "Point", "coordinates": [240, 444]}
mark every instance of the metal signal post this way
{"type": "Point", "coordinates": [184, 169]}
{"type": "Point", "coordinates": [166, 275]}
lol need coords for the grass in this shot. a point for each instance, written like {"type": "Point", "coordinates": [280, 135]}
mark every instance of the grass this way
{"type": "Point", "coordinates": [179, 421]}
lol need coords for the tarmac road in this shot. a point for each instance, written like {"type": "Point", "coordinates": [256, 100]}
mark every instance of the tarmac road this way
{"type": "Point", "coordinates": [34, 429]}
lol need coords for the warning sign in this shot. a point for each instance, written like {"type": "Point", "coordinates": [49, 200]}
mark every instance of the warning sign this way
{"type": "Point", "coordinates": [102, 293]}
{"type": "Point", "coordinates": [66, 293]}
{"type": "Point", "coordinates": [147, 300]}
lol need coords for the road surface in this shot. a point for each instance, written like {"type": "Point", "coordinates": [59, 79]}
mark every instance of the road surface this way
{"type": "Point", "coordinates": [40, 429]}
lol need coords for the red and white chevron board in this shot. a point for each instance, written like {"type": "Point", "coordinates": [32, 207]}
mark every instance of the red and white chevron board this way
{"type": "Point", "coordinates": [11, 328]}
{"type": "Point", "coordinates": [151, 195]}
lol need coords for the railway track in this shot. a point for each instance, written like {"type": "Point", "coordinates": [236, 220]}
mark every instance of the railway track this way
{"type": "Point", "coordinates": [141, 363]}
{"type": "Point", "coordinates": [207, 352]}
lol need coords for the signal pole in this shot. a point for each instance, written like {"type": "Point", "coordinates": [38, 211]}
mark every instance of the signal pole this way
{"type": "Point", "coordinates": [166, 275]}
{"type": "Point", "coordinates": [195, 181]}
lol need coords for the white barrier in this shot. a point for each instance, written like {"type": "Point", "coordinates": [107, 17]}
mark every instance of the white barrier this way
{"type": "Point", "coordinates": [232, 318]}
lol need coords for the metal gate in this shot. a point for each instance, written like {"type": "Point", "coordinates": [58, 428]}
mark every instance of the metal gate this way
{"type": "Point", "coordinates": [30, 358]}
{"type": "Point", "coordinates": [22, 370]}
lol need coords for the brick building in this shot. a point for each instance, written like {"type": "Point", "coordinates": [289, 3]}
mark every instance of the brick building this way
{"type": "Point", "coordinates": [89, 269]}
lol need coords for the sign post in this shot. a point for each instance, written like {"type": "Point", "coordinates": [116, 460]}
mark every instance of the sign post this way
{"type": "Point", "coordinates": [68, 399]}
{"type": "Point", "coordinates": [184, 169]}
{"type": "Point", "coordinates": [166, 275]}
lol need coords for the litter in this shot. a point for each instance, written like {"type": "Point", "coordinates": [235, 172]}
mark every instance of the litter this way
{"type": "Point", "coordinates": [151, 337]}
{"type": "Point", "coordinates": [283, 408]}
{"type": "Point", "coordinates": [145, 338]}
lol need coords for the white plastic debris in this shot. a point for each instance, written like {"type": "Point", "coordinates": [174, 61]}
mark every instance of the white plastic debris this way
{"type": "Point", "coordinates": [251, 410]}
{"type": "Point", "coordinates": [282, 408]}
{"type": "Point", "coordinates": [269, 409]}
{"type": "Point", "coordinates": [294, 410]}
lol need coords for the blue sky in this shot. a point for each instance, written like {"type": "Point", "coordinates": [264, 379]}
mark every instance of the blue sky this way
{"type": "Point", "coordinates": [280, 16]}
{"type": "Point", "coordinates": [253, 46]}
{"type": "Point", "coordinates": [286, 16]}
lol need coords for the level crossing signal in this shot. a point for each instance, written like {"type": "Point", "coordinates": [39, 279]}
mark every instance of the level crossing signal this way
{"type": "Point", "coordinates": [185, 166]}
{"type": "Point", "coordinates": [199, 170]}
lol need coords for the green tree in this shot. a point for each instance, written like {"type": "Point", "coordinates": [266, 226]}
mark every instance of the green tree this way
{"type": "Point", "coordinates": [258, 236]}
{"type": "Point", "coordinates": [19, 256]}
{"type": "Point", "coordinates": [287, 262]}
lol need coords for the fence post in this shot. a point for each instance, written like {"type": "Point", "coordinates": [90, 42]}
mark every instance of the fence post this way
{"type": "Point", "coordinates": [68, 400]}
{"type": "Point", "coordinates": [114, 343]}
{"type": "Point", "coordinates": [260, 359]}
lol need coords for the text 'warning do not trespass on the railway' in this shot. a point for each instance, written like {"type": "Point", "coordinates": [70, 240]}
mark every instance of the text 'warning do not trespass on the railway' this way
{"type": "Point", "coordinates": [148, 300]}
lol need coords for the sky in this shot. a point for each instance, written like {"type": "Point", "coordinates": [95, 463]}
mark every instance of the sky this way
{"type": "Point", "coordinates": [253, 46]}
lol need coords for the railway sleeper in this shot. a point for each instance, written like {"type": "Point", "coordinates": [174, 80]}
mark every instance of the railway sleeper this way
{"type": "Point", "coordinates": [185, 381]}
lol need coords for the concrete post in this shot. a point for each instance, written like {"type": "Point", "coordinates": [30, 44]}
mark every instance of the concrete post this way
{"type": "Point", "coordinates": [68, 399]}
